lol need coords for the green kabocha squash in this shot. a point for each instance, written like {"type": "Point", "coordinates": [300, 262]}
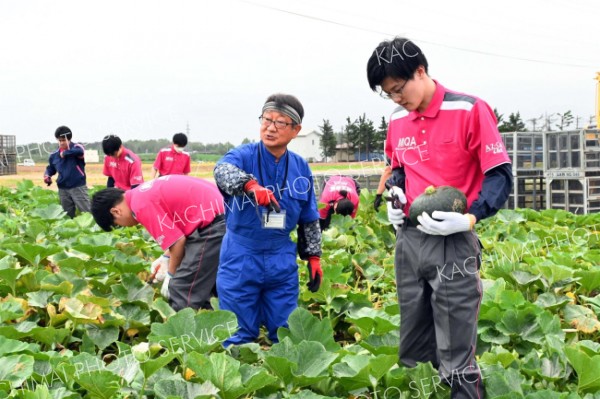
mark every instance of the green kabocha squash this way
{"type": "Point", "coordinates": [442, 198]}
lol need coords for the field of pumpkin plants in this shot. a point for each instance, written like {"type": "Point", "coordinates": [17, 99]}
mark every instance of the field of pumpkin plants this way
{"type": "Point", "coordinates": [78, 320]}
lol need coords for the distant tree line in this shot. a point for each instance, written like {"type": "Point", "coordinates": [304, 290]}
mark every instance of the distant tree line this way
{"type": "Point", "coordinates": [358, 136]}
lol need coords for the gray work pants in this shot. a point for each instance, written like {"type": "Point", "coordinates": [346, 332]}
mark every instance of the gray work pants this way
{"type": "Point", "coordinates": [74, 197]}
{"type": "Point", "coordinates": [439, 292]}
{"type": "Point", "coordinates": [194, 282]}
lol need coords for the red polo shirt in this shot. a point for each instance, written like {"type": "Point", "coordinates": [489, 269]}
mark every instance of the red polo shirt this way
{"type": "Point", "coordinates": [126, 169]}
{"type": "Point", "coordinates": [453, 142]}
{"type": "Point", "coordinates": [331, 192]}
{"type": "Point", "coordinates": [172, 207]}
{"type": "Point", "coordinates": [170, 162]}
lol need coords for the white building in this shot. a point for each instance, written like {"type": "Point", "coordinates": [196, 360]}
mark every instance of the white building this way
{"type": "Point", "coordinates": [308, 145]}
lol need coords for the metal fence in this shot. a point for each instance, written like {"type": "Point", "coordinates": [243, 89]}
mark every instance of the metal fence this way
{"type": "Point", "coordinates": [555, 170]}
{"type": "Point", "coordinates": [8, 155]}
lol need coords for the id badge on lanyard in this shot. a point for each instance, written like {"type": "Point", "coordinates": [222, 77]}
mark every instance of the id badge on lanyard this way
{"type": "Point", "coordinates": [270, 219]}
{"type": "Point", "coordinates": [273, 220]}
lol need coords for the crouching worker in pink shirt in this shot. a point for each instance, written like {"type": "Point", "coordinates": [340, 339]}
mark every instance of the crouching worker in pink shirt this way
{"type": "Point", "coordinates": [341, 196]}
{"type": "Point", "coordinates": [184, 215]}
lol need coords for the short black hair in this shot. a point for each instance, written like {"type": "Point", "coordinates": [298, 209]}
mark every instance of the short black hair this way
{"type": "Point", "coordinates": [287, 99]}
{"type": "Point", "coordinates": [63, 131]}
{"type": "Point", "coordinates": [344, 207]}
{"type": "Point", "coordinates": [398, 58]}
{"type": "Point", "coordinates": [102, 202]}
{"type": "Point", "coordinates": [111, 144]}
{"type": "Point", "coordinates": [180, 139]}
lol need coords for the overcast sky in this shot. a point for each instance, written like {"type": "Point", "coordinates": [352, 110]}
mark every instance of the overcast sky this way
{"type": "Point", "coordinates": [145, 69]}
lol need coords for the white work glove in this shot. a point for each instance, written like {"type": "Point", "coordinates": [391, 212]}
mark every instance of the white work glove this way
{"type": "Point", "coordinates": [396, 216]}
{"type": "Point", "coordinates": [159, 269]}
{"type": "Point", "coordinates": [447, 223]}
{"type": "Point", "coordinates": [164, 290]}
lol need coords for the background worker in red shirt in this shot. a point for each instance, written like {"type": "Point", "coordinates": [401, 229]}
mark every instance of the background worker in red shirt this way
{"type": "Point", "coordinates": [439, 137]}
{"type": "Point", "coordinates": [173, 160]}
{"type": "Point", "coordinates": [341, 195]}
{"type": "Point", "coordinates": [184, 215]}
{"type": "Point", "coordinates": [122, 166]}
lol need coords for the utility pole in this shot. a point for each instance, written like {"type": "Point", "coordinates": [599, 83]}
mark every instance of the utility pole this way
{"type": "Point", "coordinates": [533, 123]}
{"type": "Point", "coordinates": [187, 129]}
{"type": "Point", "coordinates": [577, 118]}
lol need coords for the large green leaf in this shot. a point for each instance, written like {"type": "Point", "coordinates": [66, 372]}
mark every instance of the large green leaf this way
{"type": "Point", "coordinates": [11, 309]}
{"type": "Point", "coordinates": [151, 366]}
{"type": "Point", "coordinates": [500, 356]}
{"type": "Point", "coordinates": [522, 323]}
{"type": "Point", "coordinates": [99, 384]}
{"type": "Point", "coordinates": [587, 367]}
{"type": "Point", "coordinates": [232, 379]}
{"type": "Point", "coordinates": [163, 308]}
{"type": "Point", "coordinates": [133, 290]}
{"type": "Point", "coordinates": [169, 389]}
{"type": "Point", "coordinates": [361, 371]}
{"type": "Point", "coordinates": [135, 316]}
{"type": "Point", "coordinates": [51, 212]}
{"type": "Point", "coordinates": [299, 365]}
{"type": "Point", "coordinates": [303, 326]}
{"type": "Point", "coordinates": [386, 344]}
{"type": "Point", "coordinates": [503, 383]}
{"type": "Point", "coordinates": [16, 369]}
{"type": "Point", "coordinates": [425, 382]}
{"type": "Point", "coordinates": [304, 394]}
{"type": "Point", "coordinates": [189, 331]}
{"type": "Point", "coordinates": [589, 279]}
{"type": "Point", "coordinates": [39, 298]}
{"type": "Point", "coordinates": [32, 253]}
{"type": "Point", "coordinates": [373, 321]}
{"type": "Point", "coordinates": [126, 367]}
{"type": "Point", "coordinates": [551, 301]}
{"type": "Point", "coordinates": [102, 336]}
{"type": "Point", "coordinates": [10, 346]}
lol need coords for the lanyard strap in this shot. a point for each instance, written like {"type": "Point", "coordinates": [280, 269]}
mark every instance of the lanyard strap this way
{"type": "Point", "coordinates": [260, 172]}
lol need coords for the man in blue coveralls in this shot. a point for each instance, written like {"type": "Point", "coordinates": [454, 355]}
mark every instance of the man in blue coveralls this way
{"type": "Point", "coordinates": [268, 191]}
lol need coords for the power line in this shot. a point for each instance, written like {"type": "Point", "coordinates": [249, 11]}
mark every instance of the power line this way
{"type": "Point", "coordinates": [350, 26]}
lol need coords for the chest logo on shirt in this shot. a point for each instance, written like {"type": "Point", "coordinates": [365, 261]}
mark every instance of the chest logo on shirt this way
{"type": "Point", "coordinates": [112, 164]}
{"type": "Point", "coordinates": [339, 187]}
{"type": "Point", "coordinates": [168, 158]}
{"type": "Point", "coordinates": [146, 186]}
{"type": "Point", "coordinates": [408, 152]}
{"type": "Point", "coordinates": [496, 148]}
{"type": "Point", "coordinates": [407, 142]}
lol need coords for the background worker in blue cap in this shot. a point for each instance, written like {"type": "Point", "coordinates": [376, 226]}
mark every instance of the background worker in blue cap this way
{"type": "Point", "coordinates": [268, 192]}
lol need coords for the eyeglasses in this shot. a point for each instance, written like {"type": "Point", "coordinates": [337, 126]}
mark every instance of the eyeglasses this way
{"type": "Point", "coordinates": [394, 94]}
{"type": "Point", "coordinates": [266, 122]}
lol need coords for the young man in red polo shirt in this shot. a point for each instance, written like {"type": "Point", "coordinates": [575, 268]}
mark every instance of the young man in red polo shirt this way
{"type": "Point", "coordinates": [122, 166]}
{"type": "Point", "coordinates": [439, 137]}
{"type": "Point", "coordinates": [173, 160]}
{"type": "Point", "coordinates": [184, 215]}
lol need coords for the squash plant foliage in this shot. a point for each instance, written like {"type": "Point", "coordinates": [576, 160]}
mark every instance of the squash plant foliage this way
{"type": "Point", "coordinates": [77, 319]}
